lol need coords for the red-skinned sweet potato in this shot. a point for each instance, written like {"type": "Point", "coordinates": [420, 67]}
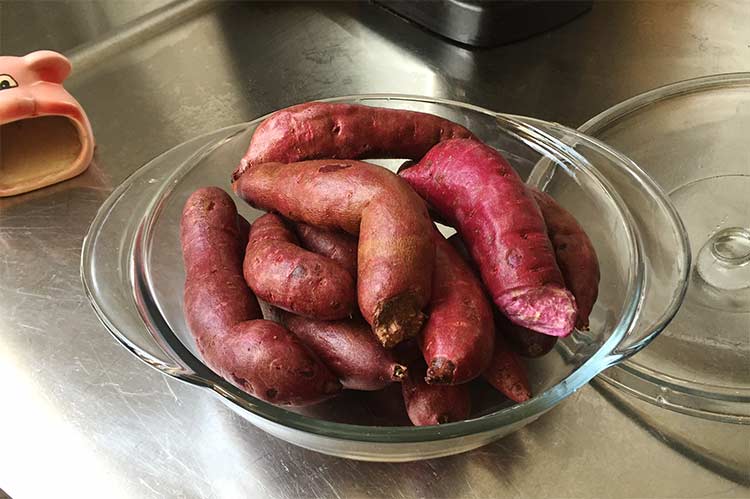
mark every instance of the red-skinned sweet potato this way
{"type": "Point", "coordinates": [259, 356]}
{"type": "Point", "coordinates": [458, 337]}
{"type": "Point", "coordinates": [396, 251]}
{"type": "Point", "coordinates": [287, 276]}
{"type": "Point", "coordinates": [507, 373]}
{"type": "Point", "coordinates": [349, 349]}
{"type": "Point", "coordinates": [433, 404]}
{"type": "Point", "coordinates": [526, 342]}
{"type": "Point", "coordinates": [473, 188]}
{"type": "Point", "coordinates": [334, 244]}
{"type": "Point", "coordinates": [317, 130]}
{"type": "Point", "coordinates": [575, 254]}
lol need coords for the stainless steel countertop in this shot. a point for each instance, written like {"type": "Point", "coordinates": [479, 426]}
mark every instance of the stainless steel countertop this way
{"type": "Point", "coordinates": [82, 417]}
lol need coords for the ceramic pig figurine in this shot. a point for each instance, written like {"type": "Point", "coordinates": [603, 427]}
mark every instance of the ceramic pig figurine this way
{"type": "Point", "coordinates": [45, 136]}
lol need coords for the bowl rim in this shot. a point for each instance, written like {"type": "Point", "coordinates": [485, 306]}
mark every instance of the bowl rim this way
{"type": "Point", "coordinates": [694, 398]}
{"type": "Point", "coordinates": [201, 375]}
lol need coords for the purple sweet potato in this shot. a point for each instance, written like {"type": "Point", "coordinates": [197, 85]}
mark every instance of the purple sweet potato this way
{"type": "Point", "coordinates": [334, 244]}
{"type": "Point", "coordinates": [433, 404]}
{"type": "Point", "coordinates": [287, 276]}
{"type": "Point", "coordinates": [526, 342]}
{"type": "Point", "coordinates": [459, 336]}
{"type": "Point", "coordinates": [473, 188]}
{"type": "Point", "coordinates": [396, 252]}
{"type": "Point", "coordinates": [349, 349]}
{"type": "Point", "coordinates": [575, 255]}
{"type": "Point", "coordinates": [507, 373]}
{"type": "Point", "coordinates": [318, 130]}
{"type": "Point", "coordinates": [258, 356]}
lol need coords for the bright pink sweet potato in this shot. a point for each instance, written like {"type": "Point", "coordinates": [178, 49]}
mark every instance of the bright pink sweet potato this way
{"type": "Point", "coordinates": [334, 244]}
{"type": "Point", "coordinates": [259, 356]}
{"type": "Point", "coordinates": [473, 188]}
{"type": "Point", "coordinates": [575, 255]}
{"type": "Point", "coordinates": [317, 130]}
{"type": "Point", "coordinates": [396, 252]}
{"type": "Point", "coordinates": [526, 342]}
{"type": "Point", "coordinates": [283, 274]}
{"type": "Point", "coordinates": [459, 336]}
{"type": "Point", "coordinates": [507, 373]}
{"type": "Point", "coordinates": [434, 404]}
{"type": "Point", "coordinates": [350, 350]}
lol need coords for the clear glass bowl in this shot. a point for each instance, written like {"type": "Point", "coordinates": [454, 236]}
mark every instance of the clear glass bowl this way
{"type": "Point", "coordinates": [132, 272]}
{"type": "Point", "coordinates": [692, 138]}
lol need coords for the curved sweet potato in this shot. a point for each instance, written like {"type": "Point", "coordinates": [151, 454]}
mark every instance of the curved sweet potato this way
{"type": "Point", "coordinates": [473, 188]}
{"type": "Point", "coordinates": [575, 254]}
{"type": "Point", "coordinates": [507, 373]}
{"type": "Point", "coordinates": [459, 336]}
{"type": "Point", "coordinates": [434, 404]}
{"type": "Point", "coordinates": [336, 245]}
{"type": "Point", "coordinates": [350, 350]}
{"type": "Point", "coordinates": [526, 342]}
{"type": "Point", "coordinates": [259, 356]}
{"type": "Point", "coordinates": [283, 274]}
{"type": "Point", "coordinates": [396, 251]}
{"type": "Point", "coordinates": [317, 130]}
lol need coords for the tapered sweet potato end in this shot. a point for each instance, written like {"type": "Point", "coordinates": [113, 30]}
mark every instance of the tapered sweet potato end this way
{"type": "Point", "coordinates": [441, 371]}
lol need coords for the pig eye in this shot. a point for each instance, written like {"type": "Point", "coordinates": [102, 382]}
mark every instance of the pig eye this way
{"type": "Point", "coordinates": [7, 81]}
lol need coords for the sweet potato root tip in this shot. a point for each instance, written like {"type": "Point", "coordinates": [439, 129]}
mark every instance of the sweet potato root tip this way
{"type": "Point", "coordinates": [399, 372]}
{"type": "Point", "coordinates": [440, 372]}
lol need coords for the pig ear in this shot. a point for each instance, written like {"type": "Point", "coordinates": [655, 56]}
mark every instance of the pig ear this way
{"type": "Point", "coordinates": [49, 65]}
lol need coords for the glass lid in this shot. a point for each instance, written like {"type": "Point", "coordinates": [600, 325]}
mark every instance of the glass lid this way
{"type": "Point", "coordinates": [693, 138]}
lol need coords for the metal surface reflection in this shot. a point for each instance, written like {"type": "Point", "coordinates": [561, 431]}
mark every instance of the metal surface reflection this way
{"type": "Point", "coordinates": [82, 417]}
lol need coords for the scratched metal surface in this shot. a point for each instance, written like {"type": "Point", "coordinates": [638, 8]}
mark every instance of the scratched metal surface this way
{"type": "Point", "coordinates": [81, 417]}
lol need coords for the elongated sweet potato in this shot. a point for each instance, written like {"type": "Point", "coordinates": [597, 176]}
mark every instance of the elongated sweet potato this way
{"type": "Point", "coordinates": [260, 357]}
{"type": "Point", "coordinates": [507, 373]}
{"type": "Point", "coordinates": [473, 188]}
{"type": "Point", "coordinates": [575, 255]}
{"type": "Point", "coordinates": [433, 404]}
{"type": "Point", "coordinates": [283, 274]}
{"type": "Point", "coordinates": [334, 244]}
{"type": "Point", "coordinates": [349, 349]}
{"type": "Point", "coordinates": [396, 251]}
{"type": "Point", "coordinates": [526, 342]}
{"type": "Point", "coordinates": [317, 130]}
{"type": "Point", "coordinates": [459, 336]}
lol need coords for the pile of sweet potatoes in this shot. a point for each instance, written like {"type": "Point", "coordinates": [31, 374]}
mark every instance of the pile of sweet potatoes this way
{"type": "Point", "coordinates": [364, 290]}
